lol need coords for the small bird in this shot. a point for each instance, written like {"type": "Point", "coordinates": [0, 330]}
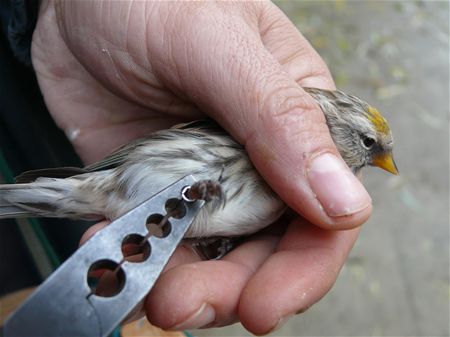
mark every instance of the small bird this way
{"type": "Point", "coordinates": [136, 171]}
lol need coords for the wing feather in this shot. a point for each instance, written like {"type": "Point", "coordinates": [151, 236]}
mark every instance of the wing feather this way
{"type": "Point", "coordinates": [57, 172]}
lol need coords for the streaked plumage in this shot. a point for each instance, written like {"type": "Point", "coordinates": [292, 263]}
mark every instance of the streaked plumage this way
{"type": "Point", "coordinates": [140, 169]}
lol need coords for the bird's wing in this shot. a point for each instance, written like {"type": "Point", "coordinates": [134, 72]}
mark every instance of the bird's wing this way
{"type": "Point", "coordinates": [113, 160]}
{"type": "Point", "coordinates": [201, 124]}
{"type": "Point", "coordinates": [119, 156]}
{"type": "Point", "coordinates": [57, 172]}
{"type": "Point", "coordinates": [116, 158]}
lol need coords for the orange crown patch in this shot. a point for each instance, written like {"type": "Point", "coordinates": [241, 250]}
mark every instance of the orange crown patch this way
{"type": "Point", "coordinates": [378, 121]}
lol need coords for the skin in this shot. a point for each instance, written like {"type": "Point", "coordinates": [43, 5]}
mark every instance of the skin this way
{"type": "Point", "coordinates": [113, 71]}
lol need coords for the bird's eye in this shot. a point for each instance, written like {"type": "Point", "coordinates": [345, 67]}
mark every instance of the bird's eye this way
{"type": "Point", "coordinates": [368, 142]}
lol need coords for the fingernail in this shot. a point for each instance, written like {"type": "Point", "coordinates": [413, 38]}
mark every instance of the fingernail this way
{"type": "Point", "coordinates": [336, 187]}
{"type": "Point", "coordinates": [203, 316]}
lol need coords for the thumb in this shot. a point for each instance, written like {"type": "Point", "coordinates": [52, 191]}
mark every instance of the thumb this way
{"type": "Point", "coordinates": [229, 73]}
{"type": "Point", "coordinates": [289, 143]}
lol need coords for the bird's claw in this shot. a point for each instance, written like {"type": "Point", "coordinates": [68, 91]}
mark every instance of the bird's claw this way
{"type": "Point", "coordinates": [206, 190]}
{"type": "Point", "coordinates": [214, 248]}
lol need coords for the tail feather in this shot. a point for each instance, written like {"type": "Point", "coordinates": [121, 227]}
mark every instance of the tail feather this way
{"type": "Point", "coordinates": [33, 199]}
{"type": "Point", "coordinates": [7, 212]}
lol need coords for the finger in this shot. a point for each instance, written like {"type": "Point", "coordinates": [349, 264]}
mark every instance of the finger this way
{"type": "Point", "coordinates": [291, 49]}
{"type": "Point", "coordinates": [92, 230]}
{"type": "Point", "coordinates": [284, 132]}
{"type": "Point", "coordinates": [304, 268]}
{"type": "Point", "coordinates": [206, 293]}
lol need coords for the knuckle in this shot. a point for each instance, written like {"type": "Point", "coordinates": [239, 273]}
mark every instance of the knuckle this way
{"type": "Point", "coordinates": [287, 107]}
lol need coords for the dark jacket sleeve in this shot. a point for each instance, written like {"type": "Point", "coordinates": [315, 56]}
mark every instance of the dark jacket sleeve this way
{"type": "Point", "coordinates": [29, 139]}
{"type": "Point", "coordinates": [18, 20]}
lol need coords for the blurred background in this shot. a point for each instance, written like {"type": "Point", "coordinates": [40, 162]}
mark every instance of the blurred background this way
{"type": "Point", "coordinates": [395, 55]}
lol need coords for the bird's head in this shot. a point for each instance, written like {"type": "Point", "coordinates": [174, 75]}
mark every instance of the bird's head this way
{"type": "Point", "coordinates": [360, 132]}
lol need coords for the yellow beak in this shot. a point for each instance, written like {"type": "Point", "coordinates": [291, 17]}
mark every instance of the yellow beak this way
{"type": "Point", "coordinates": [386, 162]}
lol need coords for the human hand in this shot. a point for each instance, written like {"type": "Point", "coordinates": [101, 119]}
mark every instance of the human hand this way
{"type": "Point", "coordinates": [113, 71]}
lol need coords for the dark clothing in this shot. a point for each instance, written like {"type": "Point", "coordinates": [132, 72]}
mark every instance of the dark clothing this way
{"type": "Point", "coordinates": [29, 139]}
{"type": "Point", "coordinates": [18, 18]}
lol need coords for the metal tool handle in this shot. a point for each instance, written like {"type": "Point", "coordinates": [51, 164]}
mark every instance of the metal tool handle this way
{"type": "Point", "coordinates": [66, 305]}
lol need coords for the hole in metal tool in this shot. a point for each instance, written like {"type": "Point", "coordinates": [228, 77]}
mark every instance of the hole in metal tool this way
{"type": "Point", "coordinates": [135, 248]}
{"type": "Point", "coordinates": [175, 208]}
{"type": "Point", "coordinates": [158, 225]}
{"type": "Point", "coordinates": [106, 278]}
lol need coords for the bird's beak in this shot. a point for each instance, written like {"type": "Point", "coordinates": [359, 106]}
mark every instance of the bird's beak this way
{"type": "Point", "coordinates": [386, 162]}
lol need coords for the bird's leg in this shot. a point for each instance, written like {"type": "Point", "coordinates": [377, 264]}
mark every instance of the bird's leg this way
{"type": "Point", "coordinates": [204, 190]}
{"type": "Point", "coordinates": [213, 248]}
